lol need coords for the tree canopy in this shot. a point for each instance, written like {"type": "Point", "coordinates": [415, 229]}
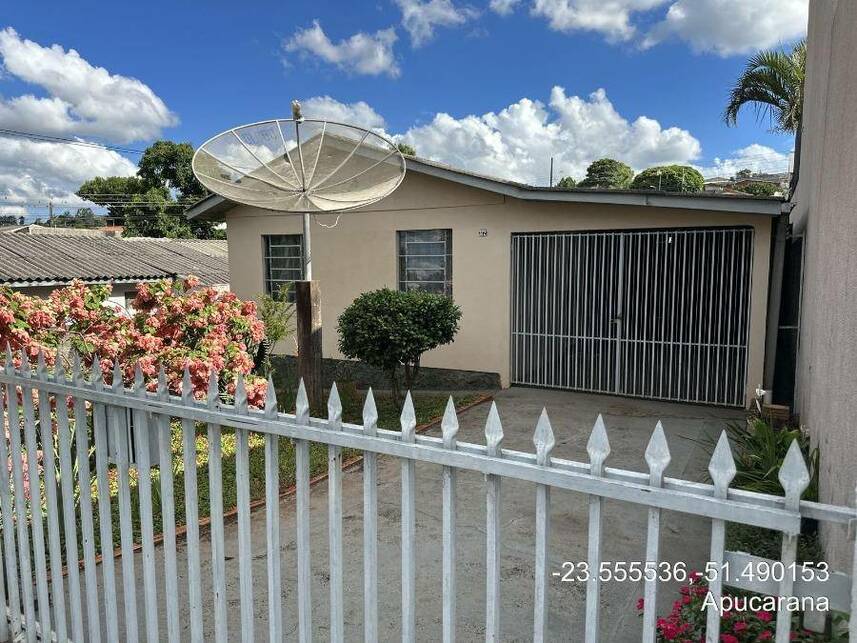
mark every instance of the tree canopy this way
{"type": "Point", "coordinates": [406, 149]}
{"type": "Point", "coordinates": [607, 173]}
{"type": "Point", "coordinates": [669, 178]}
{"type": "Point", "coordinates": [566, 182]}
{"type": "Point", "coordinates": [772, 82]}
{"type": "Point", "coordinates": [152, 203]}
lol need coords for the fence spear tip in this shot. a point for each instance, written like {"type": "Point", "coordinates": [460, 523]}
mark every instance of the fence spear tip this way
{"type": "Point", "coordinates": [187, 388]}
{"type": "Point", "coordinates": [721, 468]}
{"type": "Point", "coordinates": [449, 424]}
{"type": "Point", "coordinates": [543, 438]}
{"type": "Point", "coordinates": [794, 475]}
{"type": "Point", "coordinates": [598, 446]}
{"type": "Point", "coordinates": [334, 407]}
{"type": "Point", "coordinates": [408, 419]}
{"type": "Point", "coordinates": [139, 386]}
{"type": "Point", "coordinates": [658, 451]}
{"type": "Point", "coordinates": [493, 430]}
{"type": "Point", "coordinates": [370, 414]}
{"type": "Point", "coordinates": [270, 398]}
{"type": "Point", "coordinates": [302, 404]}
{"type": "Point", "coordinates": [213, 392]}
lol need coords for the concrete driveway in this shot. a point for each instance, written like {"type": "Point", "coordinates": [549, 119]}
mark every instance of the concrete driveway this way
{"type": "Point", "coordinates": [629, 424]}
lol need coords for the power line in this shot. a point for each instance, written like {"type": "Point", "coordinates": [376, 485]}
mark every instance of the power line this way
{"type": "Point", "coordinates": [47, 138]}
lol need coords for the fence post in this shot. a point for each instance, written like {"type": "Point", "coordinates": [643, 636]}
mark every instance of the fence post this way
{"type": "Point", "coordinates": [544, 441]}
{"type": "Point", "coordinates": [449, 429]}
{"type": "Point", "coordinates": [493, 439]}
{"type": "Point", "coordinates": [722, 471]}
{"type": "Point", "coordinates": [657, 457]}
{"type": "Point", "coordinates": [598, 448]}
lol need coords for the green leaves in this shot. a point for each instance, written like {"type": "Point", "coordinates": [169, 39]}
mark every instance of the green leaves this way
{"type": "Point", "coordinates": [772, 82]}
{"type": "Point", "coordinates": [387, 328]}
{"type": "Point", "coordinates": [607, 174]}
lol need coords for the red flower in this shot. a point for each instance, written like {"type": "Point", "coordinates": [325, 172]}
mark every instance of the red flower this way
{"type": "Point", "coordinates": [640, 603]}
{"type": "Point", "coordinates": [764, 616]}
{"type": "Point", "coordinates": [765, 636]}
{"type": "Point", "coordinates": [739, 626]}
{"type": "Point", "coordinates": [728, 638]}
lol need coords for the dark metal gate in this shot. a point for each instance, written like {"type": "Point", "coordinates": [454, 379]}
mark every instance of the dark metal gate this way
{"type": "Point", "coordinates": [659, 314]}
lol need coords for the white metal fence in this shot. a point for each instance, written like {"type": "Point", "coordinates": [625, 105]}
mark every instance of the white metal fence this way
{"type": "Point", "coordinates": [83, 604]}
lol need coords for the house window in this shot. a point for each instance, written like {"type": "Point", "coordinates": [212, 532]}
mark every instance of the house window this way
{"type": "Point", "coordinates": [425, 260]}
{"type": "Point", "coordinates": [284, 261]}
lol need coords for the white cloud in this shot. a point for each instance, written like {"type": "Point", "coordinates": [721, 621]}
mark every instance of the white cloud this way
{"type": "Point", "coordinates": [729, 27]}
{"type": "Point", "coordinates": [362, 53]}
{"type": "Point", "coordinates": [83, 99]}
{"type": "Point", "coordinates": [358, 113]}
{"type": "Point", "coordinates": [759, 158]}
{"type": "Point", "coordinates": [420, 18]}
{"type": "Point", "coordinates": [726, 27]}
{"type": "Point", "coordinates": [503, 7]}
{"type": "Point", "coordinates": [517, 142]}
{"type": "Point", "coordinates": [33, 171]}
{"type": "Point", "coordinates": [611, 18]}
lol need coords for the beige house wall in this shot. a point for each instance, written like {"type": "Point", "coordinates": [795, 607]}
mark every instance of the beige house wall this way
{"type": "Point", "coordinates": [359, 254]}
{"type": "Point", "coordinates": [825, 212]}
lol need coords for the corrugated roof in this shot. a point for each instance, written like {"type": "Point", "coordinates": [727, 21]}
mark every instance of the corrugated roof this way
{"type": "Point", "coordinates": [35, 259]}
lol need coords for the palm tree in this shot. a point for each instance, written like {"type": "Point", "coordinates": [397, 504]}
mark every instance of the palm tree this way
{"type": "Point", "coordinates": [773, 83]}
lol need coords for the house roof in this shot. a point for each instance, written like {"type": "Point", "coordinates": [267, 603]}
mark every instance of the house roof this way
{"type": "Point", "coordinates": [213, 205]}
{"type": "Point", "coordinates": [34, 260]}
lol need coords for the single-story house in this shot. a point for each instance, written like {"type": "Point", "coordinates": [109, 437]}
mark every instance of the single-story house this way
{"type": "Point", "coordinates": [819, 312]}
{"type": "Point", "coordinates": [37, 264]}
{"type": "Point", "coordinates": [646, 294]}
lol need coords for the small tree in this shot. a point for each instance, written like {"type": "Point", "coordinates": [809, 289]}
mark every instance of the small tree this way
{"type": "Point", "coordinates": [278, 315]}
{"type": "Point", "coordinates": [669, 178]}
{"type": "Point", "coordinates": [388, 328]}
{"type": "Point", "coordinates": [566, 183]}
{"type": "Point", "coordinates": [406, 149]}
{"type": "Point", "coordinates": [607, 173]}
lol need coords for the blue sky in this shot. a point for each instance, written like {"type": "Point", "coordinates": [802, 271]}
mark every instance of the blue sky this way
{"type": "Point", "coordinates": [533, 66]}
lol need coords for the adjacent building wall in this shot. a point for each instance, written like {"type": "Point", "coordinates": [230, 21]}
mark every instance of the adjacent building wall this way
{"type": "Point", "coordinates": [825, 212]}
{"type": "Point", "coordinates": [359, 254]}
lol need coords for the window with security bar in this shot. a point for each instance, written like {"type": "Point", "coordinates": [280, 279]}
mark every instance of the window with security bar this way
{"type": "Point", "coordinates": [283, 257]}
{"type": "Point", "coordinates": [425, 260]}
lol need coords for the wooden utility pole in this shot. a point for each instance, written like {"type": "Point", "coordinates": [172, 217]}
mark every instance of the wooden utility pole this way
{"type": "Point", "coordinates": [308, 312]}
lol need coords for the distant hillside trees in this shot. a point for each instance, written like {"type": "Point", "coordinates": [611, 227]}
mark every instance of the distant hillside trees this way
{"type": "Point", "coordinates": [607, 173]}
{"type": "Point", "coordinates": [566, 182]}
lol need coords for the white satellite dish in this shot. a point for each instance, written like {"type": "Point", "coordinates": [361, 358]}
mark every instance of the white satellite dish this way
{"type": "Point", "coordinates": [300, 166]}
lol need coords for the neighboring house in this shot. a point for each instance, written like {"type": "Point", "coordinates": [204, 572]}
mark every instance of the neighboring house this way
{"type": "Point", "coordinates": [638, 293]}
{"type": "Point", "coordinates": [823, 310]}
{"type": "Point", "coordinates": [724, 185]}
{"type": "Point", "coordinates": [37, 264]}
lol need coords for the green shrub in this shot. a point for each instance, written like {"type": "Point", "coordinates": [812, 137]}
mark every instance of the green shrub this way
{"type": "Point", "coordinates": [388, 328]}
{"type": "Point", "coordinates": [669, 178]}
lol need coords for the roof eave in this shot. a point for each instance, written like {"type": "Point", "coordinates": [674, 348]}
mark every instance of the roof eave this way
{"type": "Point", "coordinates": [214, 204]}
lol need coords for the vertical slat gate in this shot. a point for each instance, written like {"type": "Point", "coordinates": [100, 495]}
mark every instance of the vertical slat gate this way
{"type": "Point", "coordinates": [660, 314]}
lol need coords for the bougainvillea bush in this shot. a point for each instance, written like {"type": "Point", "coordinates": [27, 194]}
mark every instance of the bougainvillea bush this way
{"type": "Point", "coordinates": [176, 324]}
{"type": "Point", "coordinates": [686, 622]}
